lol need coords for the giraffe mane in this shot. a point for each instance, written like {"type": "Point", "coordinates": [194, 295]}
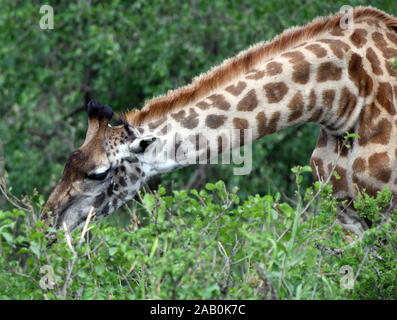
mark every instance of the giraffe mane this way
{"type": "Point", "coordinates": [244, 61]}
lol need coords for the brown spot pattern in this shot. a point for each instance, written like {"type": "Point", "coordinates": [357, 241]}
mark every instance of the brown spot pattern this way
{"type": "Point", "coordinates": [359, 165]}
{"type": "Point", "coordinates": [375, 63]}
{"type": "Point", "coordinates": [371, 131]}
{"type": "Point", "coordinates": [255, 74]}
{"type": "Point", "coordinates": [328, 71]}
{"type": "Point", "coordinates": [392, 37]}
{"type": "Point", "coordinates": [122, 182]}
{"type": "Point", "coordinates": [236, 89]}
{"type": "Point", "coordinates": [361, 184]}
{"type": "Point", "coordinates": [273, 68]}
{"type": "Point", "coordinates": [390, 69]}
{"type": "Point", "coordinates": [166, 129]}
{"type": "Point", "coordinates": [296, 106]}
{"type": "Point", "coordinates": [312, 100]}
{"type": "Point", "coordinates": [322, 140]}
{"type": "Point", "coordinates": [275, 91]}
{"type": "Point", "coordinates": [359, 76]}
{"type": "Point", "coordinates": [240, 124]}
{"type": "Point", "coordinates": [340, 148]}
{"type": "Point", "coordinates": [339, 185]}
{"type": "Point", "coordinates": [203, 105]}
{"type": "Point", "coordinates": [214, 121]}
{"type": "Point", "coordinates": [347, 103]}
{"type": "Point", "coordinates": [358, 38]}
{"type": "Point", "coordinates": [337, 31]}
{"type": "Point", "coordinates": [301, 67]}
{"type": "Point", "coordinates": [338, 47]}
{"type": "Point", "coordinates": [316, 115]}
{"type": "Point", "coordinates": [191, 121]}
{"type": "Point", "coordinates": [218, 101]}
{"type": "Point", "coordinates": [328, 98]}
{"type": "Point", "coordinates": [318, 50]}
{"type": "Point", "coordinates": [379, 166]}
{"type": "Point", "coordinates": [154, 124]}
{"type": "Point", "coordinates": [385, 97]}
{"type": "Point", "coordinates": [249, 102]}
{"type": "Point", "coordinates": [99, 199]}
{"type": "Point", "coordinates": [317, 166]}
{"type": "Point", "coordinates": [133, 178]}
{"type": "Point", "coordinates": [370, 21]}
{"type": "Point", "coordinates": [264, 127]}
{"type": "Point", "coordinates": [381, 44]}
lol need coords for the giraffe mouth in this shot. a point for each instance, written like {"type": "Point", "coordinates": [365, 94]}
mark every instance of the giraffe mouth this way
{"type": "Point", "coordinates": [60, 217]}
{"type": "Point", "coordinates": [66, 213]}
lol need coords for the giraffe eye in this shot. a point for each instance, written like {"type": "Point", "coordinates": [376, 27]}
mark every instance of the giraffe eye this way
{"type": "Point", "coordinates": [98, 176]}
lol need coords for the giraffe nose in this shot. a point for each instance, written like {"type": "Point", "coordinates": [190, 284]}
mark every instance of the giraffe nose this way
{"type": "Point", "coordinates": [140, 144]}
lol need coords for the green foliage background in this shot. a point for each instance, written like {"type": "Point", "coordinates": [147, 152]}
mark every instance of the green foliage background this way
{"type": "Point", "coordinates": [122, 53]}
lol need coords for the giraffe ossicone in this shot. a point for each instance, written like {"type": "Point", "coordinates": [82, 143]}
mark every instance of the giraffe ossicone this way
{"type": "Point", "coordinates": [339, 78]}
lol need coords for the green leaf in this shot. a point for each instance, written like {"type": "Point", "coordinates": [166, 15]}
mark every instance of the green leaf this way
{"type": "Point", "coordinates": [99, 269]}
{"type": "Point", "coordinates": [154, 248]}
{"type": "Point", "coordinates": [113, 250]}
{"type": "Point", "coordinates": [149, 201]}
{"type": "Point", "coordinates": [8, 237]}
{"type": "Point", "coordinates": [210, 186]}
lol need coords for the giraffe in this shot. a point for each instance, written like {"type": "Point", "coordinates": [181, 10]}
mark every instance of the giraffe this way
{"type": "Point", "coordinates": [339, 78]}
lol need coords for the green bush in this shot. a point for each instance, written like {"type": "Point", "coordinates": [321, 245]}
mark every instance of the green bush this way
{"type": "Point", "coordinates": [205, 245]}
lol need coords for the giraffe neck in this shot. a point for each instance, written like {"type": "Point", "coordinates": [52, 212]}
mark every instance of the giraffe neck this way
{"type": "Point", "coordinates": [322, 80]}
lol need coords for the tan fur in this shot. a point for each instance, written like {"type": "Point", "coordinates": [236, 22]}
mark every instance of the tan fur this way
{"type": "Point", "coordinates": [243, 62]}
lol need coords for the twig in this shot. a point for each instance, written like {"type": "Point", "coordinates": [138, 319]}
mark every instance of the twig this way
{"type": "Point", "coordinates": [75, 255]}
{"type": "Point", "coordinates": [362, 263]}
{"type": "Point", "coordinates": [126, 280]}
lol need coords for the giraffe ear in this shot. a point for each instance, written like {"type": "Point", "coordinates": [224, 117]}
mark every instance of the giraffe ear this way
{"type": "Point", "coordinates": [140, 144]}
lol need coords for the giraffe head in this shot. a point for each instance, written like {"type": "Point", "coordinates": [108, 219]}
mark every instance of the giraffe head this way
{"type": "Point", "coordinates": [103, 173]}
